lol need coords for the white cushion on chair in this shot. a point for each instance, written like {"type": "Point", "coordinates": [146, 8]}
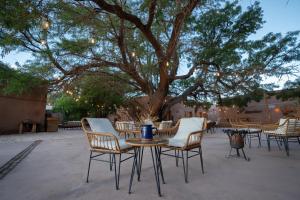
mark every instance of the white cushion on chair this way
{"type": "Point", "coordinates": [186, 126]}
{"type": "Point", "coordinates": [102, 125]}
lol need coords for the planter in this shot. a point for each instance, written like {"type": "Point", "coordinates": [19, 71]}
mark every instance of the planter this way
{"type": "Point", "coordinates": [236, 141]}
{"type": "Point", "coordinates": [146, 132]}
{"type": "Point", "coordinates": [52, 124]}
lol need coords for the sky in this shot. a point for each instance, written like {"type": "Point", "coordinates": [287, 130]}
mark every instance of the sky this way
{"type": "Point", "coordinates": [280, 16]}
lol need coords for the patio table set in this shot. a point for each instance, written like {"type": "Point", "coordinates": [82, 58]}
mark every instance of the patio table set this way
{"type": "Point", "coordinates": [105, 139]}
{"type": "Point", "coordinates": [282, 132]}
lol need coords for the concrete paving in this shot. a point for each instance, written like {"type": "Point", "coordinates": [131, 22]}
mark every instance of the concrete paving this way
{"type": "Point", "coordinates": [56, 169]}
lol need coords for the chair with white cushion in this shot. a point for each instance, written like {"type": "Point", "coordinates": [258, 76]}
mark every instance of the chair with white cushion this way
{"type": "Point", "coordinates": [126, 128]}
{"type": "Point", "coordinates": [188, 137]}
{"type": "Point", "coordinates": [104, 139]}
{"type": "Point", "coordinates": [286, 129]}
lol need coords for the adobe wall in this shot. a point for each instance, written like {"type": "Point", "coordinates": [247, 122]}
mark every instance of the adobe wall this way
{"type": "Point", "coordinates": [15, 109]}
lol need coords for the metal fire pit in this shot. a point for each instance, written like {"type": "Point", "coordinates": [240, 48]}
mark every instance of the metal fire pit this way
{"type": "Point", "coordinates": [237, 142]}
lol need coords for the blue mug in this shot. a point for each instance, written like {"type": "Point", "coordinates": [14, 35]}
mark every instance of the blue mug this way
{"type": "Point", "coordinates": [146, 132]}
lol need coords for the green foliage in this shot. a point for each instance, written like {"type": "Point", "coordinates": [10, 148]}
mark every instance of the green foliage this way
{"type": "Point", "coordinates": [83, 39]}
{"type": "Point", "coordinates": [243, 100]}
{"type": "Point", "coordinates": [68, 106]}
{"type": "Point", "coordinates": [291, 91]}
{"type": "Point", "coordinates": [203, 104]}
{"type": "Point", "coordinates": [16, 82]}
{"type": "Point", "coordinates": [91, 96]}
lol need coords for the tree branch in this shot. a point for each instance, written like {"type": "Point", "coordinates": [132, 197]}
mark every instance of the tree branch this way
{"type": "Point", "coordinates": [151, 13]}
{"type": "Point", "coordinates": [117, 10]}
{"type": "Point", "coordinates": [177, 25]}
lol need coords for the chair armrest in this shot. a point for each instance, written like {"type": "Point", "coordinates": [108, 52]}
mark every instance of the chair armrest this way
{"type": "Point", "coordinates": [167, 131]}
{"type": "Point", "coordinates": [269, 127]}
{"type": "Point", "coordinates": [197, 134]}
{"type": "Point", "coordinates": [103, 140]}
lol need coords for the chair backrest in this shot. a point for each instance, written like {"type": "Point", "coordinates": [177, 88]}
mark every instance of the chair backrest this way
{"type": "Point", "coordinates": [282, 126]}
{"type": "Point", "coordinates": [165, 124]}
{"type": "Point", "coordinates": [189, 125]}
{"type": "Point", "coordinates": [125, 125]}
{"type": "Point", "coordinates": [293, 127]}
{"type": "Point", "coordinates": [102, 125]}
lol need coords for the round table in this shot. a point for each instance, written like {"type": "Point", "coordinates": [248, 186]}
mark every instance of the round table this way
{"type": "Point", "coordinates": [138, 144]}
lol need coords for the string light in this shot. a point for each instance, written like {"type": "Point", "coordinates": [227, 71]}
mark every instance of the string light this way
{"type": "Point", "coordinates": [92, 40]}
{"type": "Point", "coordinates": [43, 42]}
{"type": "Point", "coordinates": [167, 64]}
{"type": "Point", "coordinates": [45, 25]}
{"type": "Point", "coordinates": [218, 74]}
{"type": "Point", "coordinates": [69, 92]}
{"type": "Point", "coordinates": [133, 54]}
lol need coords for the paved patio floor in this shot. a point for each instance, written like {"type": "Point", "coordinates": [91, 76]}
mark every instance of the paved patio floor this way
{"type": "Point", "coordinates": [56, 169]}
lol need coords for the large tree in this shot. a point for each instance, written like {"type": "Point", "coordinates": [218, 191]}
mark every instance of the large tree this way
{"type": "Point", "coordinates": [148, 44]}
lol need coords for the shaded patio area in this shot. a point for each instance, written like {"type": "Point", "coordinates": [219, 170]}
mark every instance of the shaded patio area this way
{"type": "Point", "coordinates": [56, 169]}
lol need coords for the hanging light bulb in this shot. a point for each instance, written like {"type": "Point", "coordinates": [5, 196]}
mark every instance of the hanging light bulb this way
{"type": "Point", "coordinates": [43, 42]}
{"type": "Point", "coordinates": [167, 64]}
{"type": "Point", "coordinates": [45, 24]}
{"type": "Point", "coordinates": [92, 40]}
{"type": "Point", "coordinates": [133, 54]}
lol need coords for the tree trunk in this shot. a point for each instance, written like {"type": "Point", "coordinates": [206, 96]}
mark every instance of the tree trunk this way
{"type": "Point", "coordinates": [156, 103]}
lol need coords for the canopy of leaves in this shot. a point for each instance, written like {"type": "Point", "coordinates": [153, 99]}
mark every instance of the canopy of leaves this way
{"type": "Point", "coordinates": [291, 91]}
{"type": "Point", "coordinates": [15, 82]}
{"type": "Point", "coordinates": [94, 96]}
{"type": "Point", "coordinates": [150, 43]}
{"type": "Point", "coordinates": [243, 100]}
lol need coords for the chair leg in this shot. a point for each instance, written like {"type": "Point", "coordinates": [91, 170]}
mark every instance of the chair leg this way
{"type": "Point", "coordinates": [298, 138]}
{"type": "Point", "coordinates": [250, 140]}
{"type": "Point", "coordinates": [120, 159]}
{"type": "Point", "coordinates": [184, 167]}
{"type": "Point", "coordinates": [88, 173]}
{"type": "Point", "coordinates": [268, 141]}
{"type": "Point", "coordinates": [278, 144]}
{"type": "Point", "coordinates": [110, 162]}
{"type": "Point", "coordinates": [286, 146]}
{"type": "Point", "coordinates": [201, 159]}
{"type": "Point", "coordinates": [176, 157]}
{"type": "Point", "coordinates": [117, 172]}
{"type": "Point", "coordinates": [259, 139]}
{"type": "Point", "coordinates": [187, 165]}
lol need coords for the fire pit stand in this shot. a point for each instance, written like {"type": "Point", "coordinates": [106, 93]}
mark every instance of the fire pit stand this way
{"type": "Point", "coordinates": [237, 142]}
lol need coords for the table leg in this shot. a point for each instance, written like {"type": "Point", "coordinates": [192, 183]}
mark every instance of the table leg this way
{"type": "Point", "coordinates": [140, 162]}
{"type": "Point", "coordinates": [156, 169]}
{"type": "Point", "coordinates": [133, 168]}
{"type": "Point", "coordinates": [160, 165]}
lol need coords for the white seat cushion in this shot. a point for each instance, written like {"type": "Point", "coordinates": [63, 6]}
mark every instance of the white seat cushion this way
{"type": "Point", "coordinates": [110, 144]}
{"type": "Point", "coordinates": [186, 127]}
{"type": "Point", "coordinates": [176, 142]}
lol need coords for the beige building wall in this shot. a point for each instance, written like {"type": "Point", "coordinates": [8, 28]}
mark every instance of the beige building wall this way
{"type": "Point", "coordinates": [15, 109]}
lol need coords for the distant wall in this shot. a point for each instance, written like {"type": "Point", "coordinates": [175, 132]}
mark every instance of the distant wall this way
{"type": "Point", "coordinates": [15, 109]}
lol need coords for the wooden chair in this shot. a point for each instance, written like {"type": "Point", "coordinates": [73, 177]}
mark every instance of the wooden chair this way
{"type": "Point", "coordinates": [104, 139]}
{"type": "Point", "coordinates": [285, 130]}
{"type": "Point", "coordinates": [188, 136]}
{"type": "Point", "coordinates": [126, 128]}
